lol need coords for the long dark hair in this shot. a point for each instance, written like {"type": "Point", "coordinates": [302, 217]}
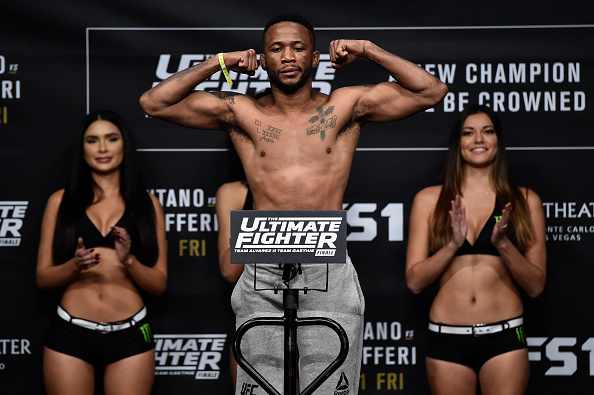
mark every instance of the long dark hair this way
{"type": "Point", "coordinates": [78, 195]}
{"type": "Point", "coordinates": [441, 231]}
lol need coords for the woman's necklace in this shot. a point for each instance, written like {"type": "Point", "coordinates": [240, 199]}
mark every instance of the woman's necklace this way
{"type": "Point", "coordinates": [480, 193]}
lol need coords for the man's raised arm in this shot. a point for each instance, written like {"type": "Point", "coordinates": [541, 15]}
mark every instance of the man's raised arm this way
{"type": "Point", "coordinates": [175, 100]}
{"type": "Point", "coordinates": [415, 89]}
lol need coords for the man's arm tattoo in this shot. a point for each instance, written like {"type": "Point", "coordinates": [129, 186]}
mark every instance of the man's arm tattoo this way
{"type": "Point", "coordinates": [189, 70]}
{"type": "Point", "coordinates": [229, 96]}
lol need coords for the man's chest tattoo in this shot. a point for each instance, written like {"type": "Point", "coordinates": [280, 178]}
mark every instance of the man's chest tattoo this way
{"type": "Point", "coordinates": [268, 133]}
{"type": "Point", "coordinates": [323, 121]}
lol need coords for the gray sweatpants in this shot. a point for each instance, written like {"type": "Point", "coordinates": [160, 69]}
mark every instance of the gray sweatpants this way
{"type": "Point", "coordinates": [318, 346]}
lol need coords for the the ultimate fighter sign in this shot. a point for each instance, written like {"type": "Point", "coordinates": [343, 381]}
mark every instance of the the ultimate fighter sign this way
{"type": "Point", "coordinates": [294, 236]}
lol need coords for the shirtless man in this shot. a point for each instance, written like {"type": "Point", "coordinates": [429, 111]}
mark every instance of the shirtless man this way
{"type": "Point", "coordinates": [305, 167]}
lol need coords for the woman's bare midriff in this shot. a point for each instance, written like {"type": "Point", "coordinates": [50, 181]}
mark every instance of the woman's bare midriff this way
{"type": "Point", "coordinates": [476, 289]}
{"type": "Point", "coordinates": [104, 293]}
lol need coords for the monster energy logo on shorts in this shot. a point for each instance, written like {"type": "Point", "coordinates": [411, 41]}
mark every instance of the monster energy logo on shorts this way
{"type": "Point", "coordinates": [147, 333]}
{"type": "Point", "coordinates": [521, 334]}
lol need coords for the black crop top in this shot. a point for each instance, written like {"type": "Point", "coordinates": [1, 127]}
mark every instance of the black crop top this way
{"type": "Point", "coordinates": [92, 237]}
{"type": "Point", "coordinates": [249, 200]}
{"type": "Point", "coordinates": [483, 245]}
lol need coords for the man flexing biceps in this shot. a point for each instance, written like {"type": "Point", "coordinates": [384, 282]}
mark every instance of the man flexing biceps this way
{"type": "Point", "coordinates": [297, 146]}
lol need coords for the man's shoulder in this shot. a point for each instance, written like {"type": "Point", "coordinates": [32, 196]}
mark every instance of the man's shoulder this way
{"type": "Point", "coordinates": [347, 91]}
{"type": "Point", "coordinates": [347, 96]}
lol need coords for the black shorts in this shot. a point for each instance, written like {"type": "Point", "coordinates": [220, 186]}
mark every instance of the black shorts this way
{"type": "Point", "coordinates": [472, 351]}
{"type": "Point", "coordinates": [99, 348]}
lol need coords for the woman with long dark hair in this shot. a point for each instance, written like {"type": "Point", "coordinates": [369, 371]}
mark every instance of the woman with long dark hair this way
{"type": "Point", "coordinates": [102, 242]}
{"type": "Point", "coordinates": [482, 239]}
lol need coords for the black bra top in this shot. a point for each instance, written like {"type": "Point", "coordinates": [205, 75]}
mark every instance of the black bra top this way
{"type": "Point", "coordinates": [249, 200]}
{"type": "Point", "coordinates": [92, 237]}
{"type": "Point", "coordinates": [483, 245]}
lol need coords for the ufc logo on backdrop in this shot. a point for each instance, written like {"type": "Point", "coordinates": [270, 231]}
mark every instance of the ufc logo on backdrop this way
{"type": "Point", "coordinates": [248, 389]}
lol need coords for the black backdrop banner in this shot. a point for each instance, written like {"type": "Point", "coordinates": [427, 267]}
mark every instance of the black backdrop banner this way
{"type": "Point", "coordinates": [531, 63]}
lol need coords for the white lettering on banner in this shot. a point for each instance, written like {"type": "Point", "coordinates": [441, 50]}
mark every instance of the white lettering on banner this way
{"type": "Point", "coordinates": [390, 355]}
{"type": "Point", "coordinates": [530, 101]}
{"type": "Point", "coordinates": [184, 62]}
{"type": "Point", "coordinates": [514, 74]}
{"type": "Point", "coordinates": [521, 73]}
{"type": "Point", "coordinates": [568, 209]}
{"type": "Point", "coordinates": [242, 83]}
{"type": "Point", "coordinates": [392, 211]}
{"type": "Point", "coordinates": [444, 72]}
{"type": "Point", "coordinates": [325, 72]}
{"type": "Point", "coordinates": [14, 346]}
{"type": "Point", "coordinates": [380, 354]}
{"type": "Point", "coordinates": [11, 222]}
{"type": "Point", "coordinates": [10, 89]}
{"type": "Point", "coordinates": [580, 229]}
{"type": "Point", "coordinates": [189, 355]}
{"type": "Point", "coordinates": [449, 101]}
{"type": "Point", "coordinates": [475, 73]}
{"type": "Point", "coordinates": [563, 237]}
{"type": "Point", "coordinates": [563, 351]}
{"type": "Point", "coordinates": [179, 197]}
{"type": "Point", "coordinates": [382, 331]}
{"type": "Point", "coordinates": [354, 219]}
{"type": "Point", "coordinates": [186, 198]}
{"type": "Point", "coordinates": [191, 222]}
{"type": "Point", "coordinates": [515, 101]}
